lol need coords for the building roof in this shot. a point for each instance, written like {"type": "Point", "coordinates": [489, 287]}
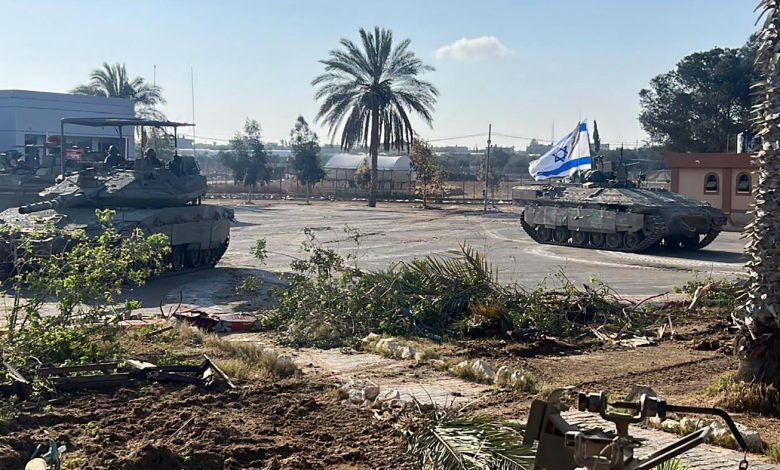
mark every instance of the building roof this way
{"type": "Point", "coordinates": [345, 161]}
{"type": "Point", "coordinates": [708, 160]}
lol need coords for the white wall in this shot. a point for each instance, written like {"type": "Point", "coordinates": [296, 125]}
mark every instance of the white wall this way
{"type": "Point", "coordinates": [33, 112]}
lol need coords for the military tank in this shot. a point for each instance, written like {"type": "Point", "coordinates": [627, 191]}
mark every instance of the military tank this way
{"type": "Point", "coordinates": [157, 200]}
{"type": "Point", "coordinates": [21, 183]}
{"type": "Point", "coordinates": [608, 211]}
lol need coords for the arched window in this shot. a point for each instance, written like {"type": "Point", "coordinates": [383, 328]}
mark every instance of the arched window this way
{"type": "Point", "coordinates": [744, 185]}
{"type": "Point", "coordinates": [711, 185]}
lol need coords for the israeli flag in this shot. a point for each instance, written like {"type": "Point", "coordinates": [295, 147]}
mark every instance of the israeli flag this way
{"type": "Point", "coordinates": [570, 154]}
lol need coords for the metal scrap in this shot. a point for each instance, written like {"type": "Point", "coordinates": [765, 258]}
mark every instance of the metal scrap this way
{"type": "Point", "coordinates": [109, 375]}
{"type": "Point", "coordinates": [215, 322]}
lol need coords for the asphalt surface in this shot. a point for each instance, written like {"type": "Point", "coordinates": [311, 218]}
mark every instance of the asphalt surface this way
{"type": "Point", "coordinates": [395, 232]}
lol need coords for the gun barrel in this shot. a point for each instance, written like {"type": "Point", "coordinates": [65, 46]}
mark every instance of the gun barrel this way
{"type": "Point", "coordinates": [40, 206]}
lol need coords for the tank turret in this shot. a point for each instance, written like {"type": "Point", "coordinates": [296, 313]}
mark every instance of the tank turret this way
{"type": "Point", "coordinates": [140, 186]}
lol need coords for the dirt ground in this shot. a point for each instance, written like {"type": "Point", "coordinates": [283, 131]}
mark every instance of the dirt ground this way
{"type": "Point", "coordinates": [300, 424]}
{"type": "Point", "coordinates": [288, 425]}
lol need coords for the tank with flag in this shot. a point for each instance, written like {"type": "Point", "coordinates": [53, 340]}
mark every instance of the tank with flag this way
{"type": "Point", "coordinates": [604, 209]}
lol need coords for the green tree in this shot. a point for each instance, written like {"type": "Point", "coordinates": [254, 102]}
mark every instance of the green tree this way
{"type": "Point", "coordinates": [306, 154]}
{"type": "Point", "coordinates": [703, 104]}
{"type": "Point", "coordinates": [495, 175]}
{"type": "Point", "coordinates": [114, 82]}
{"type": "Point", "coordinates": [372, 91]}
{"type": "Point", "coordinates": [82, 280]}
{"type": "Point", "coordinates": [758, 340]}
{"type": "Point", "coordinates": [362, 176]}
{"type": "Point", "coordinates": [426, 166]}
{"type": "Point", "coordinates": [247, 159]}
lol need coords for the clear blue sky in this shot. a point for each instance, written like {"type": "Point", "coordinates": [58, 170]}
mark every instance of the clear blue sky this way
{"type": "Point", "coordinates": [549, 60]}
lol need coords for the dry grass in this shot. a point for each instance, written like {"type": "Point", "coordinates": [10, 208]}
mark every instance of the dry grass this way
{"type": "Point", "coordinates": [186, 345]}
{"type": "Point", "coordinates": [745, 396]}
{"type": "Point", "coordinates": [773, 452]}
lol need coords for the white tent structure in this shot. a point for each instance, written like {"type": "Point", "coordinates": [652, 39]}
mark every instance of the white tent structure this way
{"type": "Point", "coordinates": [395, 175]}
{"type": "Point", "coordinates": [391, 168]}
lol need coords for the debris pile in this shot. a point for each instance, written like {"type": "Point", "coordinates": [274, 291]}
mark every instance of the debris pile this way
{"type": "Point", "coordinates": [113, 374]}
{"type": "Point", "coordinates": [391, 348]}
{"type": "Point", "coordinates": [367, 394]}
{"type": "Point", "coordinates": [216, 322]}
{"type": "Point", "coordinates": [720, 434]}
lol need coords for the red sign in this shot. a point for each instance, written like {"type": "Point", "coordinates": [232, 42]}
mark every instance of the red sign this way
{"type": "Point", "coordinates": [73, 154]}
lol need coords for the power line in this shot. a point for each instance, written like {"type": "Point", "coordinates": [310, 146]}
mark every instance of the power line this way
{"type": "Point", "coordinates": [481, 134]}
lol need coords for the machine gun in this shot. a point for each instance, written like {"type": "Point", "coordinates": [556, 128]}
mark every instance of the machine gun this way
{"type": "Point", "coordinates": [563, 446]}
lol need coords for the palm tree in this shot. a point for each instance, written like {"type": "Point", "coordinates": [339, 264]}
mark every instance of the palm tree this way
{"type": "Point", "coordinates": [372, 91]}
{"type": "Point", "coordinates": [113, 81]}
{"type": "Point", "coordinates": [758, 341]}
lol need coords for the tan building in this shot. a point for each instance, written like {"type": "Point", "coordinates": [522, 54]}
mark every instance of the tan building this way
{"type": "Point", "coordinates": [725, 180]}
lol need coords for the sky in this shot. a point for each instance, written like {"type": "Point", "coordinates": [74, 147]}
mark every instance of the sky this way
{"type": "Point", "coordinates": [520, 65]}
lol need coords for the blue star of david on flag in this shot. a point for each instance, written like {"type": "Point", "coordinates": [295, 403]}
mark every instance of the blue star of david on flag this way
{"type": "Point", "coordinates": [561, 154]}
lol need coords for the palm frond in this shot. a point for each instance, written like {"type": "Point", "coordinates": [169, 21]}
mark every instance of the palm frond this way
{"type": "Point", "coordinates": [448, 440]}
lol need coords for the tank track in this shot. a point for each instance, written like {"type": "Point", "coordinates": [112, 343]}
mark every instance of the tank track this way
{"type": "Point", "coordinates": [709, 238]}
{"type": "Point", "coordinates": [651, 238]}
{"type": "Point", "coordinates": [188, 269]}
{"type": "Point", "coordinates": [6, 269]}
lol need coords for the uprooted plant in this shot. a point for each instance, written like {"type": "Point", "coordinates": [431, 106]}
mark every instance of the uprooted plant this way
{"type": "Point", "coordinates": [330, 301]}
{"type": "Point", "coordinates": [61, 303]}
{"type": "Point", "coordinates": [446, 439]}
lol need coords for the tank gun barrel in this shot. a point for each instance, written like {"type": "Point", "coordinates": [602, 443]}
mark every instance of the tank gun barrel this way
{"type": "Point", "coordinates": [40, 206]}
{"type": "Point", "coordinates": [55, 203]}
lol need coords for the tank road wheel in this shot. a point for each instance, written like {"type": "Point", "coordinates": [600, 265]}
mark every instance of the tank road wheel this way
{"type": "Point", "coordinates": [207, 257]}
{"type": "Point", "coordinates": [690, 243]}
{"type": "Point", "coordinates": [177, 259]}
{"type": "Point", "coordinates": [580, 238]}
{"type": "Point", "coordinates": [631, 240]}
{"type": "Point", "coordinates": [561, 235]}
{"type": "Point", "coordinates": [597, 239]}
{"type": "Point", "coordinates": [614, 240]}
{"type": "Point", "coordinates": [544, 234]}
{"type": "Point", "coordinates": [195, 258]}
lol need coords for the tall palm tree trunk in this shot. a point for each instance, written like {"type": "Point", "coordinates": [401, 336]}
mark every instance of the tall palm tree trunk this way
{"type": "Point", "coordinates": [374, 157]}
{"type": "Point", "coordinates": [758, 340]}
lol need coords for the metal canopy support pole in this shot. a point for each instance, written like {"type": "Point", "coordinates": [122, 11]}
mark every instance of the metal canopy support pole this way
{"type": "Point", "coordinates": [62, 148]}
{"type": "Point", "coordinates": [487, 166]}
{"type": "Point", "coordinates": [122, 142]}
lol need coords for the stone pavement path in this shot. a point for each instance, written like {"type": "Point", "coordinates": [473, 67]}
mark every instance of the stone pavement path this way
{"type": "Point", "coordinates": [429, 385]}
{"type": "Point", "coordinates": [443, 389]}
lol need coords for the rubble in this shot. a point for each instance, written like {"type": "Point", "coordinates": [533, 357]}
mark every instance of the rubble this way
{"type": "Point", "coordinates": [503, 376]}
{"type": "Point", "coordinates": [482, 370]}
{"type": "Point", "coordinates": [284, 364]}
{"type": "Point", "coordinates": [217, 322]}
{"type": "Point", "coordinates": [367, 394]}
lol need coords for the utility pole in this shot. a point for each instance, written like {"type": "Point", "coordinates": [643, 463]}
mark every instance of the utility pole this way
{"type": "Point", "coordinates": [192, 85]}
{"type": "Point", "coordinates": [487, 165]}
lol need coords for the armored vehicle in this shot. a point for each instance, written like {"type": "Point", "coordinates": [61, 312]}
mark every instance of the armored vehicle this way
{"type": "Point", "coordinates": [145, 194]}
{"type": "Point", "coordinates": [608, 211]}
{"type": "Point", "coordinates": [20, 182]}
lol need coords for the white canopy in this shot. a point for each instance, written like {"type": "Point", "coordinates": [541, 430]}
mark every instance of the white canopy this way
{"type": "Point", "coordinates": [345, 161]}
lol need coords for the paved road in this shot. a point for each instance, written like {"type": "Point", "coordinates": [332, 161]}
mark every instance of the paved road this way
{"type": "Point", "coordinates": [400, 232]}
